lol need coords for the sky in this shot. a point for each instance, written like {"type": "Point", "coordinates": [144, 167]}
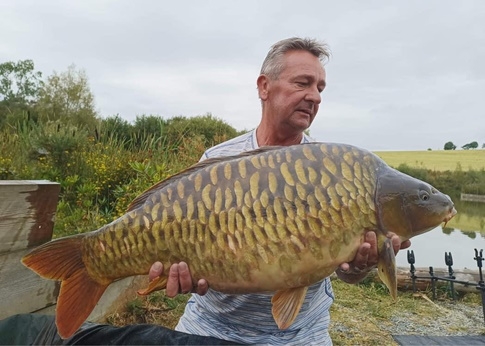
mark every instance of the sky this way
{"type": "Point", "coordinates": [404, 75]}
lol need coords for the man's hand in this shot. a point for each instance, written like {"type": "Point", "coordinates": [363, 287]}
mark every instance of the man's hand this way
{"type": "Point", "coordinates": [366, 258]}
{"type": "Point", "coordinates": [179, 279]}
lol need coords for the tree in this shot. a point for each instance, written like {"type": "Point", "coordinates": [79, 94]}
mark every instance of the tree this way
{"type": "Point", "coordinates": [449, 146]}
{"type": "Point", "coordinates": [19, 90]}
{"type": "Point", "coordinates": [67, 97]}
{"type": "Point", "coordinates": [19, 82]}
{"type": "Point", "coordinates": [472, 145]}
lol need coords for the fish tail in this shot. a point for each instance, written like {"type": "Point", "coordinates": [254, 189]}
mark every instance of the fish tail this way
{"type": "Point", "coordinates": [62, 260]}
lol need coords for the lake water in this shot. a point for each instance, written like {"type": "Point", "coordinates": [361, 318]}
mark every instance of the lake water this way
{"type": "Point", "coordinates": [464, 233]}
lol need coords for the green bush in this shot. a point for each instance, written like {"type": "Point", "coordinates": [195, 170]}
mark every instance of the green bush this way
{"type": "Point", "coordinates": [450, 182]}
{"type": "Point", "coordinates": [101, 171]}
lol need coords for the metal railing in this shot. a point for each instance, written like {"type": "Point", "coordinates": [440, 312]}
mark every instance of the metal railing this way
{"type": "Point", "coordinates": [450, 278]}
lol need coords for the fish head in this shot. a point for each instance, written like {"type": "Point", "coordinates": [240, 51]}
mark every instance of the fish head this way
{"type": "Point", "coordinates": [408, 206]}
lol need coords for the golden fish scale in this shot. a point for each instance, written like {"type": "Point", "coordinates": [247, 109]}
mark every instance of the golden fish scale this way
{"type": "Point", "coordinates": [237, 221]}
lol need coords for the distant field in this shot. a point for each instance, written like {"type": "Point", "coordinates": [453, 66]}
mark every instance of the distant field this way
{"type": "Point", "coordinates": [437, 160]}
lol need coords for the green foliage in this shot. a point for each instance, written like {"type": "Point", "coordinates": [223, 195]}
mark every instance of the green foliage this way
{"type": "Point", "coordinates": [113, 128]}
{"type": "Point", "coordinates": [149, 125]}
{"type": "Point", "coordinates": [474, 188]}
{"type": "Point", "coordinates": [66, 97]}
{"type": "Point", "coordinates": [19, 82]}
{"type": "Point", "coordinates": [99, 171]}
{"type": "Point", "coordinates": [58, 143]}
{"type": "Point", "coordinates": [212, 130]}
{"type": "Point", "coordinates": [449, 146]}
{"type": "Point", "coordinates": [450, 182]}
{"type": "Point", "coordinates": [168, 133]}
{"type": "Point", "coordinates": [471, 145]}
{"type": "Point", "coordinates": [19, 89]}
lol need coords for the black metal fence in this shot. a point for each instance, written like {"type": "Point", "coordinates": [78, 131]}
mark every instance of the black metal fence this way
{"type": "Point", "coordinates": [450, 278]}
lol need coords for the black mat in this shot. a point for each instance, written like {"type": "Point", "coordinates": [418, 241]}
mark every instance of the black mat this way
{"type": "Point", "coordinates": [36, 329]}
{"type": "Point", "coordinates": [439, 340]}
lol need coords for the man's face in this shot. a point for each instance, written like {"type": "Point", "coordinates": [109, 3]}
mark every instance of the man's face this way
{"type": "Point", "coordinates": [294, 97]}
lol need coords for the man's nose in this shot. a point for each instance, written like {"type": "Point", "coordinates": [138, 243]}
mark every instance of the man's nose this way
{"type": "Point", "coordinates": [314, 95]}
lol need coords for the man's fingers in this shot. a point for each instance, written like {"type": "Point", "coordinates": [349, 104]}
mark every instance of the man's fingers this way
{"type": "Point", "coordinates": [371, 238]}
{"type": "Point", "coordinates": [405, 244]}
{"type": "Point", "coordinates": [345, 267]}
{"type": "Point", "coordinates": [185, 280]}
{"type": "Point", "coordinates": [362, 257]}
{"type": "Point", "coordinates": [202, 287]}
{"type": "Point", "coordinates": [396, 244]}
{"type": "Point", "coordinates": [373, 255]}
{"type": "Point", "coordinates": [155, 270]}
{"type": "Point", "coordinates": [173, 281]}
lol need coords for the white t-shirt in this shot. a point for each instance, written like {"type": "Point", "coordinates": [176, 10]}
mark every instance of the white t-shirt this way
{"type": "Point", "coordinates": [248, 318]}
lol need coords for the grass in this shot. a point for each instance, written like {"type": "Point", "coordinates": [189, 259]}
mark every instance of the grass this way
{"type": "Point", "coordinates": [156, 308]}
{"type": "Point", "coordinates": [437, 160]}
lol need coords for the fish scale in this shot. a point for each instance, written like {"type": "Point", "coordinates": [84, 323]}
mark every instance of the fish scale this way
{"type": "Point", "coordinates": [275, 219]}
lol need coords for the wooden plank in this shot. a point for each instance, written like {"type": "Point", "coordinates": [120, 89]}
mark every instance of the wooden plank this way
{"type": "Point", "coordinates": [27, 209]}
{"type": "Point", "coordinates": [21, 290]}
{"type": "Point", "coordinates": [468, 197]}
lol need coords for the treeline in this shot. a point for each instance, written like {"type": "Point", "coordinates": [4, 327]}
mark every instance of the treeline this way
{"type": "Point", "coordinates": [64, 100]}
{"type": "Point", "coordinates": [49, 129]}
{"type": "Point", "coordinates": [101, 170]}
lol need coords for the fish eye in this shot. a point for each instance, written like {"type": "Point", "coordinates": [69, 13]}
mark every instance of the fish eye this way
{"type": "Point", "coordinates": [423, 195]}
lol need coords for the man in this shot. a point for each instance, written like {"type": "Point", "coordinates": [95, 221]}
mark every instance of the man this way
{"type": "Point", "coordinates": [290, 84]}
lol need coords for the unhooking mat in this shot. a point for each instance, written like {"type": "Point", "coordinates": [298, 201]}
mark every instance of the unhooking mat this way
{"type": "Point", "coordinates": [36, 329]}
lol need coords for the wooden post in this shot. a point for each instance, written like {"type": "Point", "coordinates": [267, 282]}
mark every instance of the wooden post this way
{"type": "Point", "coordinates": [27, 209]}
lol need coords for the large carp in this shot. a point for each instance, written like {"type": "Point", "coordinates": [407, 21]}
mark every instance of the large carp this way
{"type": "Point", "coordinates": [276, 219]}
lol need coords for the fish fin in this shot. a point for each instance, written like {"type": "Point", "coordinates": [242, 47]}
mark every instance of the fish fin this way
{"type": "Point", "coordinates": [287, 304]}
{"type": "Point", "coordinates": [61, 259]}
{"type": "Point", "coordinates": [141, 199]}
{"type": "Point", "coordinates": [386, 267]}
{"type": "Point", "coordinates": [77, 298]}
{"type": "Point", "coordinates": [159, 283]}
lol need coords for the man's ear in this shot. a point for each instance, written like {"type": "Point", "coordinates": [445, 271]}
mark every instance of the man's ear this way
{"type": "Point", "coordinates": [263, 86]}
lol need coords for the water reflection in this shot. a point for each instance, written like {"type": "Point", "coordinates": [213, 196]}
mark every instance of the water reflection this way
{"type": "Point", "coordinates": [429, 249]}
{"type": "Point", "coordinates": [464, 233]}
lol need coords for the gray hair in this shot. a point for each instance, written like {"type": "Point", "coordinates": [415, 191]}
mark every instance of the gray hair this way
{"type": "Point", "coordinates": [273, 63]}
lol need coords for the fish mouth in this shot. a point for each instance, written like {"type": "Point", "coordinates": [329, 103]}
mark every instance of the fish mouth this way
{"type": "Point", "coordinates": [452, 212]}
